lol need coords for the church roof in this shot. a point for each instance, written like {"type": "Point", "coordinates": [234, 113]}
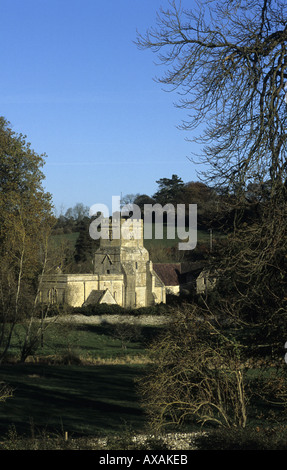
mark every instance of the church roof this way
{"type": "Point", "coordinates": [98, 296]}
{"type": "Point", "coordinates": [168, 273]}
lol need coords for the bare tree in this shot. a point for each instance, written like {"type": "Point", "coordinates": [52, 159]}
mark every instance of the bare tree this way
{"type": "Point", "coordinates": [128, 201]}
{"type": "Point", "coordinates": [197, 375]}
{"type": "Point", "coordinates": [5, 392]}
{"type": "Point", "coordinates": [228, 62]}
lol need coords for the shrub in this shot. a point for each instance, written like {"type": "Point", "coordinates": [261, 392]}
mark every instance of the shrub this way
{"type": "Point", "coordinates": [100, 309]}
{"type": "Point", "coordinates": [105, 309]}
{"type": "Point", "coordinates": [243, 439]}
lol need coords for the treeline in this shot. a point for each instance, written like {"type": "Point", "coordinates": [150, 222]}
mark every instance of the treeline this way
{"type": "Point", "coordinates": [174, 191]}
{"type": "Point", "coordinates": [72, 220]}
{"type": "Point", "coordinates": [170, 191]}
{"type": "Point", "coordinates": [216, 206]}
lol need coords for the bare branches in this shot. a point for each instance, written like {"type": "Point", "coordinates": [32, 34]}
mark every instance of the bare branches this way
{"type": "Point", "coordinates": [5, 392]}
{"type": "Point", "coordinates": [228, 63]}
{"type": "Point", "coordinates": [197, 376]}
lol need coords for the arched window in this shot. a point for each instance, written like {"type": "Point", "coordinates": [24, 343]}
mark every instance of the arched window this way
{"type": "Point", "coordinates": [53, 295]}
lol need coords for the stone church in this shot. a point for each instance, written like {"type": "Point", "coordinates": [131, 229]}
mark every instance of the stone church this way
{"type": "Point", "coordinates": [123, 274]}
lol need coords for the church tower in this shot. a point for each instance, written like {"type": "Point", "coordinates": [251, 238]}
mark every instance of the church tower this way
{"type": "Point", "coordinates": [123, 273]}
{"type": "Point", "coordinates": [122, 252]}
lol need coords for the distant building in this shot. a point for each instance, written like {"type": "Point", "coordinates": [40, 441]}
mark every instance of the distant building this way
{"type": "Point", "coordinates": [169, 273]}
{"type": "Point", "coordinates": [123, 274]}
{"type": "Point", "coordinates": [186, 277]}
{"type": "Point", "coordinates": [206, 281]}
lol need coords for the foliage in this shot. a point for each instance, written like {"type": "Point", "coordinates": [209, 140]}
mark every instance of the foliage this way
{"type": "Point", "coordinates": [115, 309]}
{"type": "Point", "coordinates": [170, 190]}
{"type": "Point", "coordinates": [142, 199]}
{"type": "Point", "coordinates": [85, 247]}
{"type": "Point", "coordinates": [72, 219]}
{"type": "Point", "coordinates": [87, 400]}
{"type": "Point", "coordinates": [99, 309]}
{"type": "Point", "coordinates": [26, 222]}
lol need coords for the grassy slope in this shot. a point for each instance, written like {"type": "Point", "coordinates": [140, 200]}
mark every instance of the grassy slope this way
{"type": "Point", "coordinates": [82, 400]}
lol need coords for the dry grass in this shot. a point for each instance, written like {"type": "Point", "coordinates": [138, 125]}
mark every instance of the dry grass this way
{"type": "Point", "coordinates": [85, 361]}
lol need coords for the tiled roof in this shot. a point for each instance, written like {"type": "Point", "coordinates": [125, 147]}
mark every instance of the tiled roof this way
{"type": "Point", "coordinates": [168, 273]}
{"type": "Point", "coordinates": [99, 296]}
{"type": "Point", "coordinates": [95, 296]}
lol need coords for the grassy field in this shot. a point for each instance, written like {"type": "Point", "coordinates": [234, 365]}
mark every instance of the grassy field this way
{"type": "Point", "coordinates": [82, 380]}
{"type": "Point", "coordinates": [89, 343]}
{"type": "Point", "coordinates": [80, 400]}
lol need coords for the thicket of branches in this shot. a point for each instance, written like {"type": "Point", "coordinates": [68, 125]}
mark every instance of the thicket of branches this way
{"type": "Point", "coordinates": [227, 60]}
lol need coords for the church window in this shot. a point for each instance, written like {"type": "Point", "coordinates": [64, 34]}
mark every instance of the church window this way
{"type": "Point", "coordinates": [53, 296]}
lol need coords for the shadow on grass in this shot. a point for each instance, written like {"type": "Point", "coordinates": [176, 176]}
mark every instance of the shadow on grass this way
{"type": "Point", "coordinates": [92, 400]}
{"type": "Point", "coordinates": [145, 333]}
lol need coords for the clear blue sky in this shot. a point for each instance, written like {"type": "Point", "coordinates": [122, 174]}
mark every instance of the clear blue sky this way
{"type": "Point", "coordinates": [74, 82]}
